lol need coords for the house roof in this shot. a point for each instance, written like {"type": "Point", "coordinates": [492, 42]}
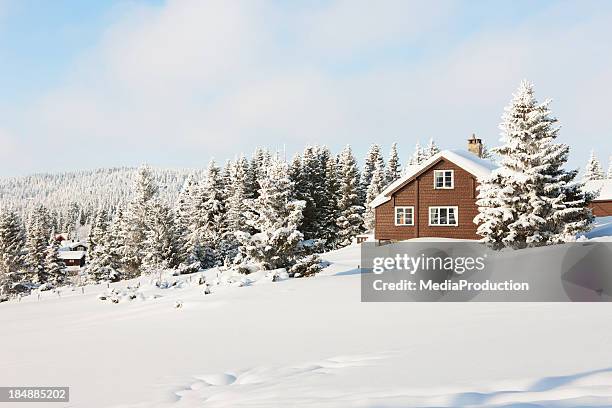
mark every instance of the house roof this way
{"type": "Point", "coordinates": [69, 245]}
{"type": "Point", "coordinates": [462, 158]}
{"type": "Point", "coordinates": [71, 254]}
{"type": "Point", "coordinates": [603, 187]}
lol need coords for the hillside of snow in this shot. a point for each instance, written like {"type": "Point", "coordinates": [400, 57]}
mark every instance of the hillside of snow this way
{"type": "Point", "coordinates": [302, 343]}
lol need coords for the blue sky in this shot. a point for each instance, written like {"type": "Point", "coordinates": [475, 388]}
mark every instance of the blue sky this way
{"type": "Point", "coordinates": [98, 83]}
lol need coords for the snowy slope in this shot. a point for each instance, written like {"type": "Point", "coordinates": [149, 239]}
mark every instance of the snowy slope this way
{"type": "Point", "coordinates": [304, 343]}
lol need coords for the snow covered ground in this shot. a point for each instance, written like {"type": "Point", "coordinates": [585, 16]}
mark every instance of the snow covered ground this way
{"type": "Point", "coordinates": [602, 231]}
{"type": "Point", "coordinates": [303, 343]}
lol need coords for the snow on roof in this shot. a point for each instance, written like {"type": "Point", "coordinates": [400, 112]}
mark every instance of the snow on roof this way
{"type": "Point", "coordinates": [462, 158]}
{"type": "Point", "coordinates": [604, 187]}
{"type": "Point", "coordinates": [71, 254]}
{"type": "Point", "coordinates": [69, 245]}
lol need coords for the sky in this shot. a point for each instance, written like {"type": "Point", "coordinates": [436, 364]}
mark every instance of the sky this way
{"type": "Point", "coordinates": [100, 83]}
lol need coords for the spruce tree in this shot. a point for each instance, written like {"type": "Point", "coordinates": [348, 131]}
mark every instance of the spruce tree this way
{"type": "Point", "coordinates": [329, 231]}
{"type": "Point", "coordinates": [98, 229]}
{"type": "Point", "coordinates": [12, 241]}
{"type": "Point", "coordinates": [431, 150]}
{"type": "Point", "coordinates": [275, 216]}
{"type": "Point", "coordinates": [350, 208]}
{"type": "Point", "coordinates": [54, 266]}
{"type": "Point", "coordinates": [531, 200]}
{"type": "Point", "coordinates": [240, 193]}
{"type": "Point", "coordinates": [609, 175]}
{"type": "Point", "coordinates": [377, 185]}
{"type": "Point", "coordinates": [393, 171]}
{"type": "Point", "coordinates": [419, 155]}
{"type": "Point", "coordinates": [210, 223]}
{"type": "Point", "coordinates": [312, 191]}
{"type": "Point", "coordinates": [184, 214]}
{"type": "Point", "coordinates": [38, 231]}
{"type": "Point", "coordinates": [373, 160]}
{"type": "Point", "coordinates": [160, 250]}
{"type": "Point", "coordinates": [593, 169]}
{"type": "Point", "coordinates": [135, 221]}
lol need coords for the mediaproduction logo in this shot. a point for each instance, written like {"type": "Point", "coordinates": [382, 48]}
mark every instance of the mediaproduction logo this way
{"type": "Point", "coordinates": [471, 271]}
{"type": "Point", "coordinates": [451, 264]}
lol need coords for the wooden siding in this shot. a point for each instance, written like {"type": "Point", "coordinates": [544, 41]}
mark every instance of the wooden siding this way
{"type": "Point", "coordinates": [421, 194]}
{"type": "Point", "coordinates": [602, 208]}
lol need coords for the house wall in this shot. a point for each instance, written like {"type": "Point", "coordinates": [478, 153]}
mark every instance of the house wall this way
{"type": "Point", "coordinates": [602, 208]}
{"type": "Point", "coordinates": [421, 194]}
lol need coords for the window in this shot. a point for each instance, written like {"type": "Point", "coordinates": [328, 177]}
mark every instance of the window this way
{"type": "Point", "coordinates": [444, 179]}
{"type": "Point", "coordinates": [404, 215]}
{"type": "Point", "coordinates": [443, 216]}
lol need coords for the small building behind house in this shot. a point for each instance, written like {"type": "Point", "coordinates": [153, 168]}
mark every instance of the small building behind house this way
{"type": "Point", "coordinates": [602, 203]}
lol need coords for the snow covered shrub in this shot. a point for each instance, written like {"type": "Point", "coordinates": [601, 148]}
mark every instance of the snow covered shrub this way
{"type": "Point", "coordinates": [307, 266]}
{"type": "Point", "coordinates": [185, 269]}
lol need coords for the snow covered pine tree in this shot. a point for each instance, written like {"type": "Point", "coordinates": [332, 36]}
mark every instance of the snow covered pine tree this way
{"type": "Point", "coordinates": [593, 169]}
{"type": "Point", "coordinates": [531, 200]}
{"type": "Point", "coordinates": [393, 170]}
{"type": "Point", "coordinates": [12, 241]}
{"type": "Point", "coordinates": [350, 208]}
{"type": "Point", "coordinates": [275, 217]}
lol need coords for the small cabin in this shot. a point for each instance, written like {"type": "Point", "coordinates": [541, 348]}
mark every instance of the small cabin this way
{"type": "Point", "coordinates": [73, 258]}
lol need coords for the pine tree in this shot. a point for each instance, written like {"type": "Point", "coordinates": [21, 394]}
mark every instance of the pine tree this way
{"type": "Point", "coordinates": [160, 250]}
{"type": "Point", "coordinates": [432, 149]}
{"type": "Point", "coordinates": [350, 210]}
{"type": "Point", "coordinates": [259, 164]}
{"type": "Point", "coordinates": [54, 266]}
{"type": "Point", "coordinates": [276, 218]}
{"type": "Point", "coordinates": [184, 214]}
{"type": "Point", "coordinates": [98, 229]}
{"type": "Point", "coordinates": [377, 185]}
{"type": "Point", "coordinates": [38, 231]}
{"type": "Point", "coordinates": [210, 223]}
{"type": "Point", "coordinates": [593, 170]}
{"type": "Point", "coordinates": [296, 176]}
{"type": "Point", "coordinates": [312, 191]}
{"type": "Point", "coordinates": [531, 200]}
{"type": "Point", "coordinates": [105, 260]}
{"type": "Point", "coordinates": [419, 155]}
{"type": "Point", "coordinates": [393, 171]}
{"type": "Point", "coordinates": [329, 231]}
{"type": "Point", "coordinates": [237, 201]}
{"type": "Point", "coordinates": [135, 221]}
{"type": "Point", "coordinates": [12, 241]}
{"type": "Point", "coordinates": [373, 160]}
{"type": "Point", "coordinates": [486, 153]}
{"type": "Point", "coordinates": [609, 175]}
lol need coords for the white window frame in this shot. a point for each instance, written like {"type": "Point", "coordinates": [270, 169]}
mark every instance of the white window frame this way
{"type": "Point", "coordinates": [447, 207]}
{"type": "Point", "coordinates": [403, 207]}
{"type": "Point", "coordinates": [444, 187]}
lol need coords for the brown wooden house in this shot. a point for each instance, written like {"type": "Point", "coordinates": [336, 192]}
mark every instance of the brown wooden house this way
{"type": "Point", "coordinates": [434, 199]}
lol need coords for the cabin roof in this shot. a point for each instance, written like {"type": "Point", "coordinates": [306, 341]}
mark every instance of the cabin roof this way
{"type": "Point", "coordinates": [71, 254]}
{"type": "Point", "coordinates": [468, 161]}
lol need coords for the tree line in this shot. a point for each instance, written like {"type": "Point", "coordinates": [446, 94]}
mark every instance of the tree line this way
{"type": "Point", "coordinates": [260, 211]}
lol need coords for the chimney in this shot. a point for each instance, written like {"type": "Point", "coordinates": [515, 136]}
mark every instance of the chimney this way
{"type": "Point", "coordinates": [475, 145]}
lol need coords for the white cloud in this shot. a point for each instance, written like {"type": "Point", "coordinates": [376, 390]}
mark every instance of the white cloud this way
{"type": "Point", "coordinates": [189, 80]}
